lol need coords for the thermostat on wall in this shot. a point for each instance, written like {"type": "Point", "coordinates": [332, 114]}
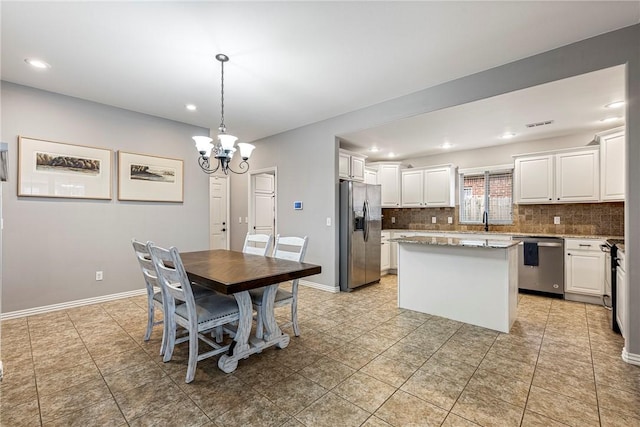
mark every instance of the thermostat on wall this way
{"type": "Point", "coordinates": [297, 206]}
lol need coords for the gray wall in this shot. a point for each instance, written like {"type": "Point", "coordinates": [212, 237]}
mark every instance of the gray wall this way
{"type": "Point", "coordinates": [53, 247]}
{"type": "Point", "coordinates": [312, 163]}
{"type": "Point", "coordinates": [501, 154]}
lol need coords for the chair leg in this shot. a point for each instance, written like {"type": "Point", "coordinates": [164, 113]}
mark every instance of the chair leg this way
{"type": "Point", "coordinates": [193, 353]}
{"type": "Point", "coordinates": [294, 316]}
{"type": "Point", "coordinates": [147, 335]}
{"type": "Point", "coordinates": [165, 333]}
{"type": "Point", "coordinates": [170, 326]}
{"type": "Point", "coordinates": [259, 323]}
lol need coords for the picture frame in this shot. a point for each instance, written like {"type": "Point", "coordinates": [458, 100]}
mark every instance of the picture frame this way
{"type": "Point", "coordinates": [4, 161]}
{"type": "Point", "coordinates": [61, 170]}
{"type": "Point", "coordinates": [148, 178]}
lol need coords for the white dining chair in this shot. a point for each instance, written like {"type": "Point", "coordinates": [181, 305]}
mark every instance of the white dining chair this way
{"type": "Point", "coordinates": [257, 244]}
{"type": "Point", "coordinates": [294, 249]}
{"type": "Point", "coordinates": [198, 316]}
{"type": "Point", "coordinates": [154, 293]}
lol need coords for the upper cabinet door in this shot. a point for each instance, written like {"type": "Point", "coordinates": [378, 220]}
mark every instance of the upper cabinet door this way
{"type": "Point", "coordinates": [577, 176]}
{"type": "Point", "coordinates": [412, 187]}
{"type": "Point", "coordinates": [370, 177]}
{"type": "Point", "coordinates": [389, 179]}
{"type": "Point", "coordinates": [357, 168]}
{"type": "Point", "coordinates": [534, 179]}
{"type": "Point", "coordinates": [344, 165]}
{"type": "Point", "coordinates": [612, 165]}
{"type": "Point", "coordinates": [439, 187]}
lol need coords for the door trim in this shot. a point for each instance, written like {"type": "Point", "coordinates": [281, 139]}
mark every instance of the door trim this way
{"type": "Point", "coordinates": [251, 185]}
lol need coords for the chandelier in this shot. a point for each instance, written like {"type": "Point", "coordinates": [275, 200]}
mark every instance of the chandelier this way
{"type": "Point", "coordinates": [224, 148]}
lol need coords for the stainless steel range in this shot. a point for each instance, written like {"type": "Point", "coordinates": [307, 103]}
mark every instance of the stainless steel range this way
{"type": "Point", "coordinates": [611, 263]}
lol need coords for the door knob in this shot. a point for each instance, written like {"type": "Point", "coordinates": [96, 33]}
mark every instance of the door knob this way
{"type": "Point", "coordinates": [224, 229]}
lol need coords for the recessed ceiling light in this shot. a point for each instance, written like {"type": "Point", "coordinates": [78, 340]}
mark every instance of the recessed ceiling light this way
{"type": "Point", "coordinates": [391, 154]}
{"type": "Point", "coordinates": [191, 107]}
{"type": "Point", "coordinates": [616, 104]}
{"type": "Point", "coordinates": [508, 135]}
{"type": "Point", "coordinates": [610, 119]}
{"type": "Point", "coordinates": [37, 63]}
{"type": "Point", "coordinates": [446, 145]}
{"type": "Point", "coordinates": [374, 149]}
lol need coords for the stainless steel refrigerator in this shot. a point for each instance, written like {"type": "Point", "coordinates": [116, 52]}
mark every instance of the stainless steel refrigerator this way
{"type": "Point", "coordinates": [360, 226]}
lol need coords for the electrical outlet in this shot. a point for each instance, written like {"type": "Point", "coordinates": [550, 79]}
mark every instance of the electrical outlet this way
{"type": "Point", "coordinates": [449, 220]}
{"type": "Point", "coordinates": [239, 220]}
{"type": "Point", "coordinates": [433, 220]}
{"type": "Point", "coordinates": [393, 220]}
{"type": "Point", "coordinates": [246, 220]}
{"type": "Point", "coordinates": [98, 275]}
{"type": "Point", "coordinates": [556, 220]}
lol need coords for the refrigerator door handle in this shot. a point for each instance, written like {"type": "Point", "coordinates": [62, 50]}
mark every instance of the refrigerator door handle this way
{"type": "Point", "coordinates": [366, 220]}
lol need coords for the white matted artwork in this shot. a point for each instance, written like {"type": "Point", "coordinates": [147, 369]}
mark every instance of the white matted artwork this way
{"type": "Point", "coordinates": [148, 178]}
{"type": "Point", "coordinates": [57, 169]}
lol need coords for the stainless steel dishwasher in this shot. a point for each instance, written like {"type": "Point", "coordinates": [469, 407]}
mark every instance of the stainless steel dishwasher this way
{"type": "Point", "coordinates": [541, 264]}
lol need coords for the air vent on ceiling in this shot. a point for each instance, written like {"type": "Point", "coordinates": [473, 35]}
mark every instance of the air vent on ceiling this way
{"type": "Point", "coordinates": [535, 125]}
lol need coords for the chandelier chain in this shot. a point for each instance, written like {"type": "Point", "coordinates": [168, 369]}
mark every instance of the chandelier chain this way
{"type": "Point", "coordinates": [222, 127]}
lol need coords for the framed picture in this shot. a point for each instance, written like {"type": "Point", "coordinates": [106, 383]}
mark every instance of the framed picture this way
{"type": "Point", "coordinates": [150, 178]}
{"type": "Point", "coordinates": [4, 154]}
{"type": "Point", "coordinates": [56, 169]}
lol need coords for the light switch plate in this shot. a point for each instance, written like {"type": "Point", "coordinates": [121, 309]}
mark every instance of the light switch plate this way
{"type": "Point", "coordinates": [556, 220]}
{"type": "Point", "coordinates": [433, 220]}
{"type": "Point", "coordinates": [393, 220]}
{"type": "Point", "coordinates": [449, 220]}
{"type": "Point", "coordinates": [328, 221]}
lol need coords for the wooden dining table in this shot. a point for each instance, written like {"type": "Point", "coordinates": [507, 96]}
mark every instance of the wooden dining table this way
{"type": "Point", "coordinates": [236, 273]}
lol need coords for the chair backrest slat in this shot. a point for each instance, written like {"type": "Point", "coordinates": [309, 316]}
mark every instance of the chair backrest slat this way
{"type": "Point", "coordinates": [144, 259]}
{"type": "Point", "coordinates": [257, 244]}
{"type": "Point", "coordinates": [291, 248]}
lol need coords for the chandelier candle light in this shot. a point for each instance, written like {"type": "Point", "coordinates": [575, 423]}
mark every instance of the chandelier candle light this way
{"type": "Point", "coordinates": [224, 147]}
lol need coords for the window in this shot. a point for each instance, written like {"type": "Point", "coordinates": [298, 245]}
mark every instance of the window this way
{"type": "Point", "coordinates": [490, 191]}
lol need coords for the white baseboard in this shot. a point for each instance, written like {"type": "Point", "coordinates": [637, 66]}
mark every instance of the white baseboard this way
{"type": "Point", "coordinates": [588, 299]}
{"type": "Point", "coordinates": [70, 304]}
{"type": "Point", "coordinates": [327, 288]}
{"type": "Point", "coordinates": [631, 358]}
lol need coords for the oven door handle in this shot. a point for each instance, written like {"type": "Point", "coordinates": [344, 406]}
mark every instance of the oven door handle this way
{"type": "Point", "coordinates": [605, 248]}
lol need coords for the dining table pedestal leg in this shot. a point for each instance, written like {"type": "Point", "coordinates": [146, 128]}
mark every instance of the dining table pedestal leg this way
{"type": "Point", "coordinates": [273, 333]}
{"type": "Point", "coordinates": [241, 349]}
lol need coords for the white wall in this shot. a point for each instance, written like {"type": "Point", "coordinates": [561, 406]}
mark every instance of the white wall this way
{"type": "Point", "coordinates": [53, 247]}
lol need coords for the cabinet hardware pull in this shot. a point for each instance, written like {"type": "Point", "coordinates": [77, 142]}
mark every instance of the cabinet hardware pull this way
{"type": "Point", "coordinates": [584, 245]}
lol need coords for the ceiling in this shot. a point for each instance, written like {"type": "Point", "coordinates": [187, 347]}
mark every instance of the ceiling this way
{"type": "Point", "coordinates": [574, 105]}
{"type": "Point", "coordinates": [292, 63]}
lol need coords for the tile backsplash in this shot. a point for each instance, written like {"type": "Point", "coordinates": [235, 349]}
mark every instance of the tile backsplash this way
{"type": "Point", "coordinates": [588, 219]}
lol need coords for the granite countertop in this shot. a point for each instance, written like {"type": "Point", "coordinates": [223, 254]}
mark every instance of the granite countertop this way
{"type": "Point", "coordinates": [451, 241]}
{"type": "Point", "coordinates": [489, 233]}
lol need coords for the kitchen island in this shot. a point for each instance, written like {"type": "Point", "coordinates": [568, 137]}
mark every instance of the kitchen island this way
{"type": "Point", "coordinates": [470, 280]}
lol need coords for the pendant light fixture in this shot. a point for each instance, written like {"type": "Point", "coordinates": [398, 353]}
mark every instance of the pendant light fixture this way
{"type": "Point", "coordinates": [224, 148]}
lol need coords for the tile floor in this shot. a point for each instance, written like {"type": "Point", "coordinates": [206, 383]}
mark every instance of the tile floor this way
{"type": "Point", "coordinates": [359, 362]}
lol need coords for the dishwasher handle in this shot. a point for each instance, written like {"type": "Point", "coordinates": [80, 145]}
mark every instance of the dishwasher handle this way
{"type": "Point", "coordinates": [546, 244]}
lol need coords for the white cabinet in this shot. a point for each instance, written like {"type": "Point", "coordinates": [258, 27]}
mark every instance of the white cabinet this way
{"type": "Point", "coordinates": [612, 165]}
{"type": "Point", "coordinates": [621, 294]}
{"type": "Point", "coordinates": [432, 187]}
{"type": "Point", "coordinates": [351, 166]}
{"type": "Point", "coordinates": [562, 177]}
{"type": "Point", "coordinates": [370, 176]}
{"type": "Point", "coordinates": [577, 176]}
{"type": "Point", "coordinates": [584, 264]}
{"type": "Point", "coordinates": [533, 178]}
{"type": "Point", "coordinates": [385, 252]}
{"type": "Point", "coordinates": [389, 181]}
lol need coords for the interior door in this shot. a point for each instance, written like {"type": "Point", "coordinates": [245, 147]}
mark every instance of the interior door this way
{"type": "Point", "coordinates": [264, 204]}
{"type": "Point", "coordinates": [218, 220]}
